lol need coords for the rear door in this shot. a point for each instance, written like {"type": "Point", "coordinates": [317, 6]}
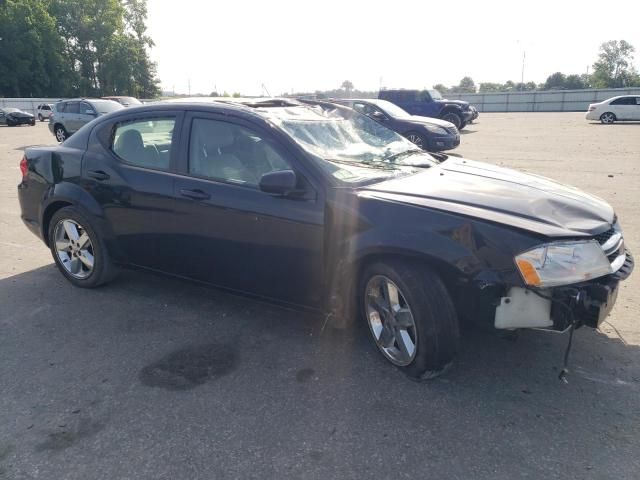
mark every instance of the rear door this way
{"type": "Point", "coordinates": [232, 234]}
{"type": "Point", "coordinates": [636, 111]}
{"type": "Point", "coordinates": [624, 108]}
{"type": "Point", "coordinates": [130, 169]}
{"type": "Point", "coordinates": [71, 116]}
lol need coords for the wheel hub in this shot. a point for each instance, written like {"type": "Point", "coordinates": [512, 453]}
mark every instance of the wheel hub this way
{"type": "Point", "coordinates": [74, 248]}
{"type": "Point", "coordinates": [390, 320]}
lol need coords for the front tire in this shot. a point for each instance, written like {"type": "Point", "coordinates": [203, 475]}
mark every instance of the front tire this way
{"type": "Point", "coordinates": [608, 118]}
{"type": "Point", "coordinates": [418, 139]}
{"type": "Point", "coordinates": [411, 317]}
{"type": "Point", "coordinates": [40, 117]}
{"type": "Point", "coordinates": [78, 249]}
{"type": "Point", "coordinates": [453, 118]}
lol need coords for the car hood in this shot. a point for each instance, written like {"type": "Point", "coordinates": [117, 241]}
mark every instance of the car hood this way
{"type": "Point", "coordinates": [430, 121]}
{"type": "Point", "coordinates": [20, 114]}
{"type": "Point", "coordinates": [462, 103]}
{"type": "Point", "coordinates": [500, 195]}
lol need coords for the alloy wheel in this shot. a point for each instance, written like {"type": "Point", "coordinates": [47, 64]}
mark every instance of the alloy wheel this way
{"type": "Point", "coordinates": [414, 138]}
{"type": "Point", "coordinates": [74, 248]}
{"type": "Point", "coordinates": [607, 118]}
{"type": "Point", "coordinates": [390, 320]}
{"type": "Point", "coordinates": [61, 136]}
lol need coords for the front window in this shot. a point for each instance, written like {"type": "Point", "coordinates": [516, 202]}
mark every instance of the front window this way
{"type": "Point", "coordinates": [435, 94]}
{"type": "Point", "coordinates": [350, 146]}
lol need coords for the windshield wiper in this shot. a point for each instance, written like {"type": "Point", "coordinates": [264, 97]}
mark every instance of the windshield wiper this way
{"type": "Point", "coordinates": [396, 156]}
{"type": "Point", "coordinates": [377, 164]}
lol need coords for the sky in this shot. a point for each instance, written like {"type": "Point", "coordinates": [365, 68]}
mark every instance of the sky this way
{"type": "Point", "coordinates": [278, 46]}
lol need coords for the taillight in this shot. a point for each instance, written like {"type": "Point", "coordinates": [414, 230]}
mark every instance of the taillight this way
{"type": "Point", "coordinates": [23, 166]}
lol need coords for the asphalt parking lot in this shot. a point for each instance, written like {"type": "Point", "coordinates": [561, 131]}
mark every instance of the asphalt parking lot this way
{"type": "Point", "coordinates": [156, 378]}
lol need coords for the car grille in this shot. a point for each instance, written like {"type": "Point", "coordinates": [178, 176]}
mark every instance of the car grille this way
{"type": "Point", "coordinates": [612, 243]}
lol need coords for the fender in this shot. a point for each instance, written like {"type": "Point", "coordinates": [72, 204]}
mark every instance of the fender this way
{"type": "Point", "coordinates": [70, 193]}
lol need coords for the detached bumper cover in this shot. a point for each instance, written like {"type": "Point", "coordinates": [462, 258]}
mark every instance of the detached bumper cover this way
{"type": "Point", "coordinates": [585, 304]}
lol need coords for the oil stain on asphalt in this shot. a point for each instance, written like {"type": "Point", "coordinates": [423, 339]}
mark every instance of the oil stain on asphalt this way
{"type": "Point", "coordinates": [189, 367]}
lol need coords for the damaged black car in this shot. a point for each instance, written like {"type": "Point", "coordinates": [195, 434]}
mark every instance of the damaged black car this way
{"type": "Point", "coordinates": [315, 205]}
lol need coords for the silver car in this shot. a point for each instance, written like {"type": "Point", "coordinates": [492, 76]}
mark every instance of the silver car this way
{"type": "Point", "coordinates": [70, 115]}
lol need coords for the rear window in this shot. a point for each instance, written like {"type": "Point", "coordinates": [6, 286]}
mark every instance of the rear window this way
{"type": "Point", "coordinates": [624, 101]}
{"type": "Point", "coordinates": [145, 142]}
{"type": "Point", "coordinates": [72, 107]}
{"type": "Point", "coordinates": [106, 106]}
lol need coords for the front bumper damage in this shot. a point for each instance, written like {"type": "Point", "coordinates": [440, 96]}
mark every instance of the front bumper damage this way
{"type": "Point", "coordinates": [558, 308]}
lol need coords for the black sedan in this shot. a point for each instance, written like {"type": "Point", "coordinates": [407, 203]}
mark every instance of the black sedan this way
{"type": "Point", "coordinates": [431, 134]}
{"type": "Point", "coordinates": [316, 205]}
{"type": "Point", "coordinates": [14, 116]}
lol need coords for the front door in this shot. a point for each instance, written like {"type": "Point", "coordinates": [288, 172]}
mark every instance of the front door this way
{"type": "Point", "coordinates": [230, 232]}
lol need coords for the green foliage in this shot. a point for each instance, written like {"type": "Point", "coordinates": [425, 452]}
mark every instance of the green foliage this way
{"type": "Point", "coordinates": [64, 48]}
{"type": "Point", "coordinates": [613, 68]}
{"type": "Point", "coordinates": [441, 88]}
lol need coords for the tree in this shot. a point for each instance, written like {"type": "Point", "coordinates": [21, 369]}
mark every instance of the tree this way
{"type": "Point", "coordinates": [75, 47]}
{"type": "Point", "coordinates": [490, 87]}
{"type": "Point", "coordinates": [441, 88]}
{"type": "Point", "coordinates": [574, 82]}
{"type": "Point", "coordinates": [555, 81]}
{"type": "Point", "coordinates": [467, 85]}
{"type": "Point", "coordinates": [31, 62]}
{"type": "Point", "coordinates": [347, 86]}
{"type": "Point", "coordinates": [614, 68]}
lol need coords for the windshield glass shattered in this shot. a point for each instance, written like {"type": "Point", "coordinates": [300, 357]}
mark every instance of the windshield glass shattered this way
{"type": "Point", "coordinates": [350, 146]}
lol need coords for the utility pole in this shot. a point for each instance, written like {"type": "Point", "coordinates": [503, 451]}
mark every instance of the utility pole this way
{"type": "Point", "coordinates": [524, 56]}
{"type": "Point", "coordinates": [189, 82]}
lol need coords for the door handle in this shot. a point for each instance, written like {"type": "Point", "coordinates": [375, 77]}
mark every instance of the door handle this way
{"type": "Point", "coordinates": [195, 194]}
{"type": "Point", "coordinates": [98, 175]}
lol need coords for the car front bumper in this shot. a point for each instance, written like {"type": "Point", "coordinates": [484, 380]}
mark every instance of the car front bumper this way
{"type": "Point", "coordinates": [445, 142]}
{"type": "Point", "coordinates": [586, 304]}
{"type": "Point", "coordinates": [21, 120]}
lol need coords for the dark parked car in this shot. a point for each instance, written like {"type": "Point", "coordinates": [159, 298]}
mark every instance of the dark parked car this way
{"type": "Point", "coordinates": [70, 115]}
{"type": "Point", "coordinates": [12, 117]}
{"type": "Point", "coordinates": [319, 206]}
{"type": "Point", "coordinates": [429, 103]}
{"type": "Point", "coordinates": [430, 134]}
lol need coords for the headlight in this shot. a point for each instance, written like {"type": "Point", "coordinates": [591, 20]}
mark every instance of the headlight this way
{"type": "Point", "coordinates": [563, 263]}
{"type": "Point", "coordinates": [436, 129]}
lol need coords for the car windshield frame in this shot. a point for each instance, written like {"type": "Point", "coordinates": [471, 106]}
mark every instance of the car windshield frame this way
{"type": "Point", "coordinates": [348, 146]}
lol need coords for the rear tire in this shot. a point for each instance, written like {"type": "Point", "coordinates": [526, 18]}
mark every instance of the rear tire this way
{"type": "Point", "coordinates": [453, 118]}
{"type": "Point", "coordinates": [421, 336]}
{"type": "Point", "coordinates": [78, 249]}
{"type": "Point", "coordinates": [60, 133]}
{"type": "Point", "coordinates": [608, 118]}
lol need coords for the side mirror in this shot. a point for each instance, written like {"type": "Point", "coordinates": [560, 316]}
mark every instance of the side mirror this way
{"type": "Point", "coordinates": [282, 182]}
{"type": "Point", "coordinates": [379, 116]}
